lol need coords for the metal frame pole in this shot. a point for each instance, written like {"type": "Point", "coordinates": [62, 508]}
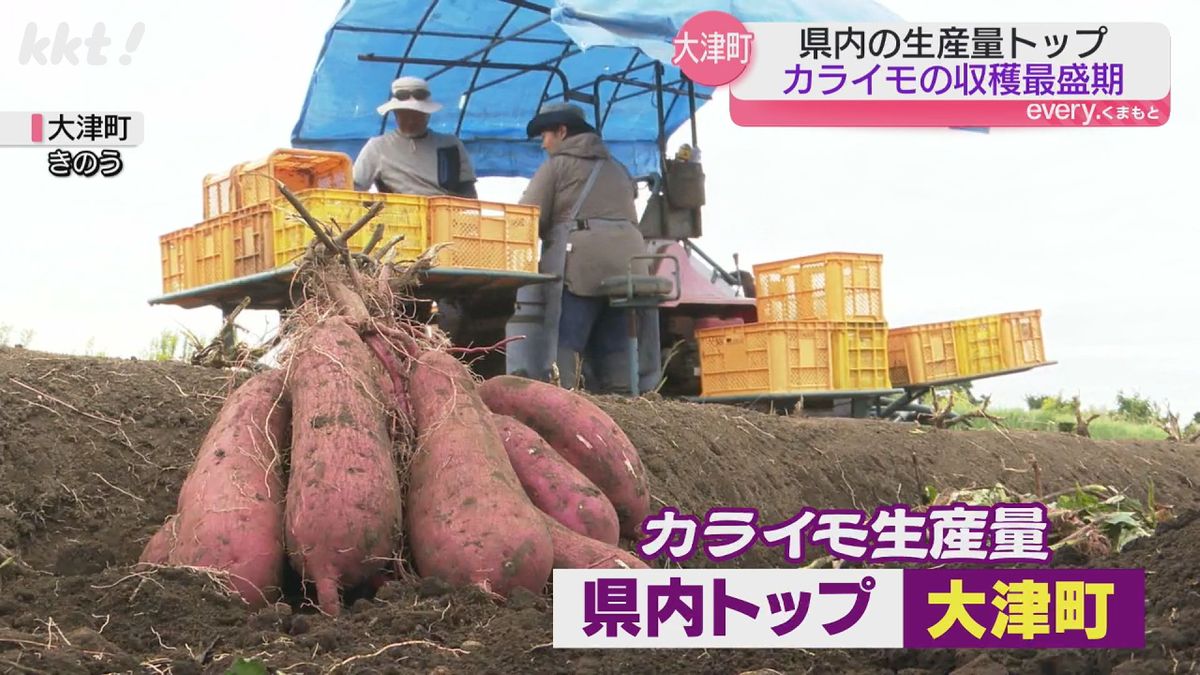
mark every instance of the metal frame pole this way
{"type": "Point", "coordinates": [664, 193]}
{"type": "Point", "coordinates": [691, 87]}
{"type": "Point", "coordinates": [634, 360]}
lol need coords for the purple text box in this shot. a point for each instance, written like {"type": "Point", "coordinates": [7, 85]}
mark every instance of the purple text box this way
{"type": "Point", "coordinates": [1054, 622]}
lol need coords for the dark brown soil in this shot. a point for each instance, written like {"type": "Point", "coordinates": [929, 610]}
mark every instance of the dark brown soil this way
{"type": "Point", "coordinates": [92, 453]}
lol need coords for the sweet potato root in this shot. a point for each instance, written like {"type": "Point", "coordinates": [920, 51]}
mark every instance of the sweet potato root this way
{"type": "Point", "coordinates": [343, 513]}
{"type": "Point", "coordinates": [584, 435]}
{"type": "Point", "coordinates": [467, 517]}
{"type": "Point", "coordinates": [391, 384]}
{"type": "Point", "coordinates": [556, 487]}
{"type": "Point", "coordinates": [230, 508]}
{"type": "Point", "coordinates": [575, 551]}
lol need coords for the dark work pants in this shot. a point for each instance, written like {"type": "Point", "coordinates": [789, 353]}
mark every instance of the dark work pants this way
{"type": "Point", "coordinates": [592, 329]}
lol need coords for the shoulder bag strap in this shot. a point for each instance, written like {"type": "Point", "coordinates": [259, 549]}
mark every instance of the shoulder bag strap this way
{"type": "Point", "coordinates": [587, 189]}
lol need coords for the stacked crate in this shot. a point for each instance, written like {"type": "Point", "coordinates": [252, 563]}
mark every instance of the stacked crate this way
{"type": "Point", "coordinates": [820, 328]}
{"type": "Point", "coordinates": [940, 352]}
{"type": "Point", "coordinates": [234, 239]}
{"type": "Point", "coordinates": [402, 215]}
{"type": "Point", "coordinates": [924, 353]}
{"type": "Point", "coordinates": [484, 235]}
{"type": "Point", "coordinates": [252, 183]}
{"type": "Point", "coordinates": [250, 228]}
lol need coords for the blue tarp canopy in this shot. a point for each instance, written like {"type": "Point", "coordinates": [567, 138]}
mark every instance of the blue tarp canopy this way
{"type": "Point", "coordinates": [372, 42]}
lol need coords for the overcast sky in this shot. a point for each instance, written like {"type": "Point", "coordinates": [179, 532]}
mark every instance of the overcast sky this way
{"type": "Point", "coordinates": [1096, 227]}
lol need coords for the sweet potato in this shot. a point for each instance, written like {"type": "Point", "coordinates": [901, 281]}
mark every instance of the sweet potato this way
{"type": "Point", "coordinates": [158, 549]}
{"type": "Point", "coordinates": [391, 382]}
{"type": "Point", "coordinates": [343, 514]}
{"type": "Point", "coordinates": [584, 435]}
{"type": "Point", "coordinates": [575, 551]}
{"type": "Point", "coordinates": [467, 517]}
{"type": "Point", "coordinates": [394, 388]}
{"type": "Point", "coordinates": [230, 507]}
{"type": "Point", "coordinates": [556, 487]}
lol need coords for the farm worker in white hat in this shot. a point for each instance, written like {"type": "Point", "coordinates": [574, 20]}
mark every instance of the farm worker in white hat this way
{"type": "Point", "coordinates": [413, 159]}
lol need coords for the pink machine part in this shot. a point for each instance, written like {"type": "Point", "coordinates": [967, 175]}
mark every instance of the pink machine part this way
{"type": "Point", "coordinates": [700, 285]}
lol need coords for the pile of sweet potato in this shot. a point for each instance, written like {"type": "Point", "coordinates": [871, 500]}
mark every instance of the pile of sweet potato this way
{"type": "Point", "coordinates": [366, 451]}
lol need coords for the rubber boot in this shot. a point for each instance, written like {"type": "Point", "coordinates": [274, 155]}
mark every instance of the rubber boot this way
{"type": "Point", "coordinates": [611, 373]}
{"type": "Point", "coordinates": [569, 362]}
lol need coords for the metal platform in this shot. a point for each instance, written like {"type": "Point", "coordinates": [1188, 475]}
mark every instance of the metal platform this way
{"type": "Point", "coordinates": [272, 290]}
{"type": "Point", "coordinates": [860, 402]}
{"type": "Point", "coordinates": [870, 403]}
{"type": "Point", "coordinates": [912, 392]}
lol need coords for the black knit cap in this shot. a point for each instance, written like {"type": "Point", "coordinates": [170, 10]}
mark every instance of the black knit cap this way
{"type": "Point", "coordinates": [553, 114]}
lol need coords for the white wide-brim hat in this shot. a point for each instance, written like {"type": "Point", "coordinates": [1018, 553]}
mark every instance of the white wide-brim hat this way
{"type": "Point", "coordinates": [409, 85]}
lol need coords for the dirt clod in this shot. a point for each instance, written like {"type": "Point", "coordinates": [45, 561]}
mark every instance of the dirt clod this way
{"type": "Point", "coordinates": [981, 665]}
{"type": "Point", "coordinates": [432, 587]}
{"type": "Point", "coordinates": [300, 625]}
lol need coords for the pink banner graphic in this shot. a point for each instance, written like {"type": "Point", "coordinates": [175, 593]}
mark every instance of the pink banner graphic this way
{"type": "Point", "coordinates": [981, 113]}
{"type": "Point", "coordinates": [35, 127]}
{"type": "Point", "coordinates": [949, 75]}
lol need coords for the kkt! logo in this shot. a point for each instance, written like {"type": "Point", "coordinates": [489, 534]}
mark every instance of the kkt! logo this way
{"type": "Point", "coordinates": [64, 47]}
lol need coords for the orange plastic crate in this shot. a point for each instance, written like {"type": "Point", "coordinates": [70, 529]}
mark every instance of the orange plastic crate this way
{"type": "Point", "coordinates": [1021, 339]}
{"type": "Point", "coordinates": [298, 170]}
{"type": "Point", "coordinates": [213, 251]}
{"type": "Point", "coordinates": [826, 287]}
{"type": "Point", "coordinates": [925, 353]}
{"type": "Point", "coordinates": [177, 262]}
{"type": "Point", "coordinates": [252, 183]}
{"type": "Point", "coordinates": [978, 345]}
{"type": "Point", "coordinates": [783, 358]}
{"type": "Point", "coordinates": [484, 235]}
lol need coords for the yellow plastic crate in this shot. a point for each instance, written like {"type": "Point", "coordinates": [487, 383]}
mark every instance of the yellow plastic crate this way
{"type": "Point", "coordinates": [919, 354]}
{"type": "Point", "coordinates": [783, 358]}
{"type": "Point", "coordinates": [484, 235]}
{"type": "Point", "coordinates": [177, 260]}
{"type": "Point", "coordinates": [1021, 339]}
{"type": "Point", "coordinates": [826, 287]}
{"type": "Point", "coordinates": [978, 345]}
{"type": "Point", "coordinates": [760, 358]}
{"type": "Point", "coordinates": [220, 195]}
{"type": "Point", "coordinates": [401, 215]}
{"type": "Point", "coordinates": [252, 183]}
{"type": "Point", "coordinates": [212, 248]}
{"type": "Point", "coordinates": [860, 355]}
{"type": "Point", "coordinates": [253, 240]}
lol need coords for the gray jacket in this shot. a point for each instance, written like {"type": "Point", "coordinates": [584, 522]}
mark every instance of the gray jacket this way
{"type": "Point", "coordinates": [598, 252]}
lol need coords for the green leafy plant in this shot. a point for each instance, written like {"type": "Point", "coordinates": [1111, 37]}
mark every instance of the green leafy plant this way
{"type": "Point", "coordinates": [1049, 403]}
{"type": "Point", "coordinates": [929, 495]}
{"type": "Point", "coordinates": [1095, 519]}
{"type": "Point", "coordinates": [251, 667]}
{"type": "Point", "coordinates": [171, 346]}
{"type": "Point", "coordinates": [1136, 408]}
{"type": "Point", "coordinates": [1035, 401]}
